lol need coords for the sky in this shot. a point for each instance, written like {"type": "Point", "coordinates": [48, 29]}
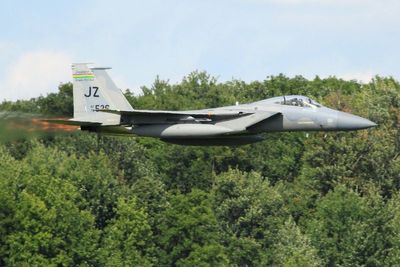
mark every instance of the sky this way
{"type": "Point", "coordinates": [230, 39]}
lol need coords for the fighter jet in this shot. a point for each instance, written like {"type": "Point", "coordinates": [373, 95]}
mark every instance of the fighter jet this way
{"type": "Point", "coordinates": [99, 106]}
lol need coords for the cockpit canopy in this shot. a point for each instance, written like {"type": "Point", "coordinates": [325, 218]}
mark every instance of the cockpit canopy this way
{"type": "Point", "coordinates": [298, 100]}
{"type": "Point", "coordinates": [292, 100]}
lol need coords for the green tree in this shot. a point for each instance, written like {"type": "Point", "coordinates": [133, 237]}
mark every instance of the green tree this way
{"type": "Point", "coordinates": [48, 226]}
{"type": "Point", "coordinates": [181, 168]}
{"type": "Point", "coordinates": [294, 248]}
{"type": "Point", "coordinates": [250, 212]}
{"type": "Point", "coordinates": [93, 175]}
{"type": "Point", "coordinates": [8, 201]}
{"type": "Point", "coordinates": [392, 255]}
{"type": "Point", "coordinates": [126, 240]}
{"type": "Point", "coordinates": [151, 193]}
{"type": "Point", "coordinates": [339, 228]}
{"type": "Point", "coordinates": [55, 104]}
{"type": "Point", "coordinates": [189, 232]}
{"type": "Point", "coordinates": [125, 155]}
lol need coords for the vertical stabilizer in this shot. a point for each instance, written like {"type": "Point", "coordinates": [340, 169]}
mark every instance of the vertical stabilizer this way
{"type": "Point", "coordinates": [94, 90]}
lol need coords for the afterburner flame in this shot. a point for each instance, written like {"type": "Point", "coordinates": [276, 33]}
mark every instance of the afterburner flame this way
{"type": "Point", "coordinates": [16, 125]}
{"type": "Point", "coordinates": [51, 127]}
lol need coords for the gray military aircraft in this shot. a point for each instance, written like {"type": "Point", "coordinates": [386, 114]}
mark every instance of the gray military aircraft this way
{"type": "Point", "coordinates": [99, 106]}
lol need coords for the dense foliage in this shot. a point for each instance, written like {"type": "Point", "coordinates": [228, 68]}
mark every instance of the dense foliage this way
{"type": "Point", "coordinates": [296, 199]}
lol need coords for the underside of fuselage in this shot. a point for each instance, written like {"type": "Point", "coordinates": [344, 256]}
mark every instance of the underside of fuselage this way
{"type": "Point", "coordinates": [234, 140]}
{"type": "Point", "coordinates": [215, 141]}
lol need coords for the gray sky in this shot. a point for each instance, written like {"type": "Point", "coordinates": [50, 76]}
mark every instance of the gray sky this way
{"type": "Point", "coordinates": [242, 39]}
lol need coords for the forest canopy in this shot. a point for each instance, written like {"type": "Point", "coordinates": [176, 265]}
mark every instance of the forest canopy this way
{"type": "Point", "coordinates": [295, 199]}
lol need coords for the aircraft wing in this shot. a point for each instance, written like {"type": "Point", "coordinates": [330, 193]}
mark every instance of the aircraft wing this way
{"type": "Point", "coordinates": [162, 116]}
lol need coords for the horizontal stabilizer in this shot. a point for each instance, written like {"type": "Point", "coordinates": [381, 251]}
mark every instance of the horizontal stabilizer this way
{"type": "Point", "coordinates": [72, 122]}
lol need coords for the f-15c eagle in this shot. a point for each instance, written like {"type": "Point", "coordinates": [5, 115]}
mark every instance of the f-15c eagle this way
{"type": "Point", "coordinates": [99, 106]}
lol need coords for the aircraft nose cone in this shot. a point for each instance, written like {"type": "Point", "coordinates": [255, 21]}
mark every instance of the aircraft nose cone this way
{"type": "Point", "coordinates": [348, 121]}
